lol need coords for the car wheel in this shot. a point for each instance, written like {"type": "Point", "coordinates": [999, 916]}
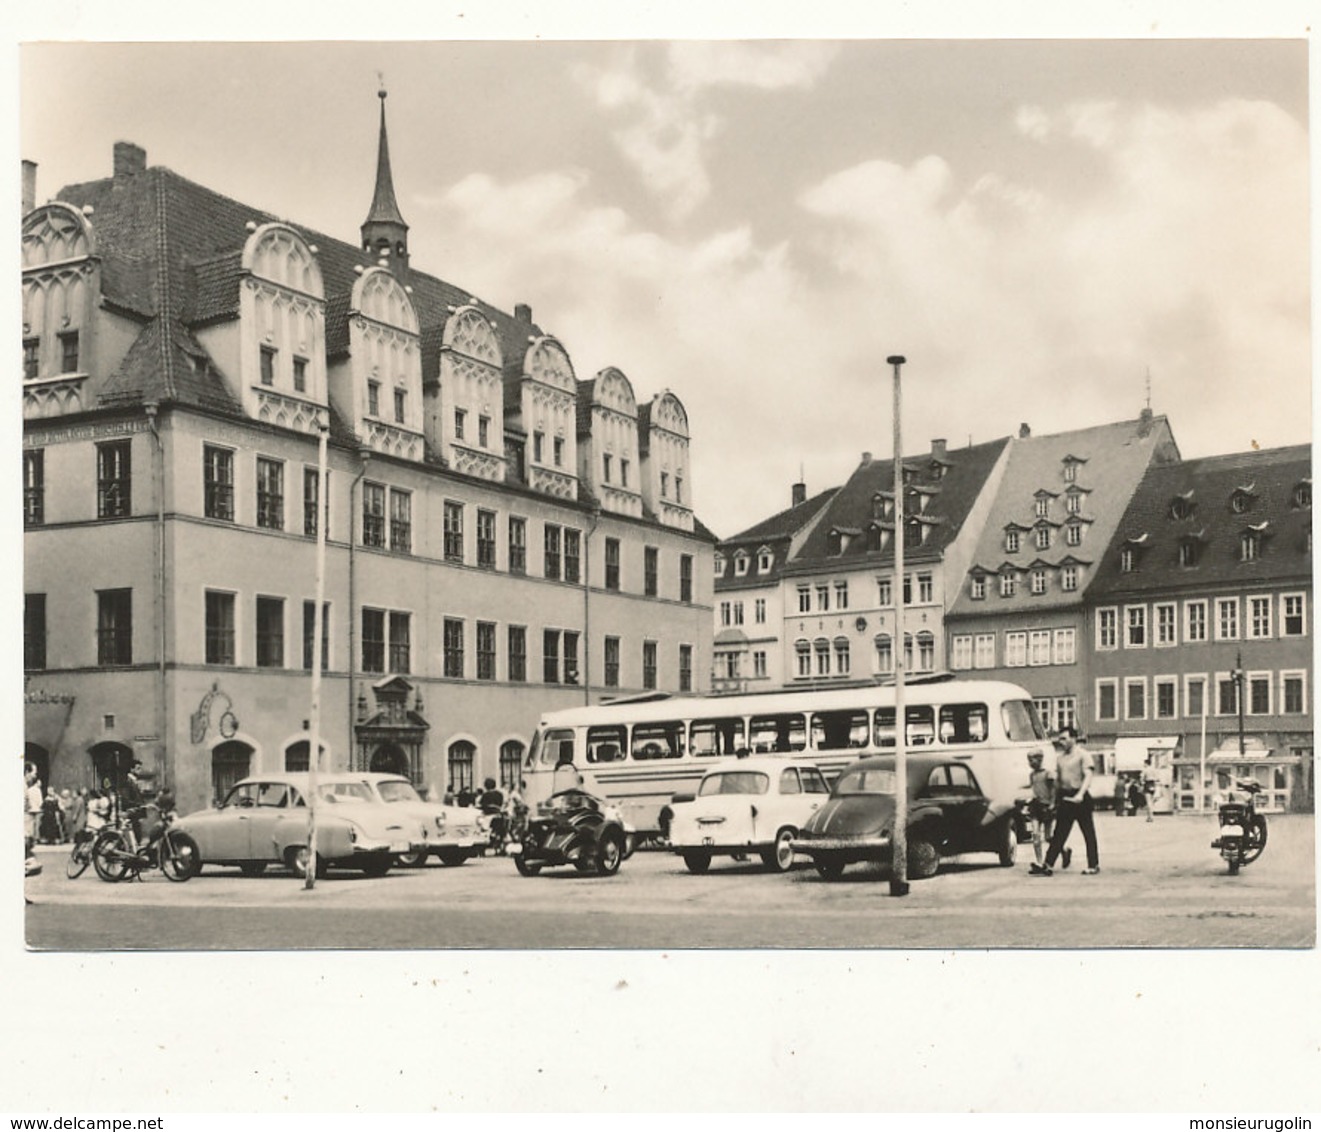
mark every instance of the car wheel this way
{"type": "Point", "coordinates": [252, 868]}
{"type": "Point", "coordinates": [923, 860]}
{"type": "Point", "coordinates": [630, 844]}
{"type": "Point", "coordinates": [453, 857]}
{"type": "Point", "coordinates": [411, 860]}
{"type": "Point", "coordinates": [780, 857]}
{"type": "Point", "coordinates": [296, 858]}
{"type": "Point", "coordinates": [376, 866]}
{"type": "Point", "coordinates": [180, 858]}
{"type": "Point", "coordinates": [525, 867]}
{"type": "Point", "coordinates": [1008, 850]}
{"type": "Point", "coordinates": [609, 854]}
{"type": "Point", "coordinates": [697, 860]}
{"type": "Point", "coordinates": [829, 869]}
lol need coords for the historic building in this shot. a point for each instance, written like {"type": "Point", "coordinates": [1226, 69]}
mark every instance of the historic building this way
{"type": "Point", "coordinates": [1200, 624]}
{"type": "Point", "coordinates": [502, 537]}
{"type": "Point", "coordinates": [1017, 613]}
{"type": "Point", "coordinates": [835, 586]}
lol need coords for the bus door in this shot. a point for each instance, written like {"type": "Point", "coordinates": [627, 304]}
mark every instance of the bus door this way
{"type": "Point", "coordinates": [539, 770]}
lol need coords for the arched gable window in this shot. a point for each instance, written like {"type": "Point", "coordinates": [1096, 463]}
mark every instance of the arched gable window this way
{"type": "Point", "coordinates": [472, 419]}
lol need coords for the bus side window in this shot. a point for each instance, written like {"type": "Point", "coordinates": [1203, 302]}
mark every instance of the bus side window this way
{"type": "Point", "coordinates": [557, 746]}
{"type": "Point", "coordinates": [716, 736]}
{"type": "Point", "coordinates": [839, 730]}
{"type": "Point", "coordinates": [777, 733]}
{"type": "Point", "coordinates": [605, 744]}
{"type": "Point", "coordinates": [883, 728]}
{"type": "Point", "coordinates": [921, 725]}
{"type": "Point", "coordinates": [963, 723]}
{"type": "Point", "coordinates": [657, 741]}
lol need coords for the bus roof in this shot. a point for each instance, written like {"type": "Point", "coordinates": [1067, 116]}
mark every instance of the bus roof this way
{"type": "Point", "coordinates": [787, 699]}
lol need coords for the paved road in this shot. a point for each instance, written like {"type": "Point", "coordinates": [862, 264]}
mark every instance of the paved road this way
{"type": "Point", "coordinates": [1161, 885]}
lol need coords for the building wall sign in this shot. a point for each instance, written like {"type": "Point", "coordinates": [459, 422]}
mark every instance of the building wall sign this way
{"type": "Point", "coordinates": [42, 438]}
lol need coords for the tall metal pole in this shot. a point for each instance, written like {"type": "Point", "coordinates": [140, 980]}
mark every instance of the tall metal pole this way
{"type": "Point", "coordinates": [318, 633]}
{"type": "Point", "coordinates": [1240, 681]}
{"type": "Point", "coordinates": [1201, 770]}
{"type": "Point", "coordinates": [899, 868]}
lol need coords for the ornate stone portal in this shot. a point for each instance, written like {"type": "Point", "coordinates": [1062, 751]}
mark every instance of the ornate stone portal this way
{"type": "Point", "coordinates": [391, 732]}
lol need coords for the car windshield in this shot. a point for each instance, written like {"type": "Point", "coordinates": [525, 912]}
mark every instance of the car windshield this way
{"type": "Point", "coordinates": [345, 791]}
{"type": "Point", "coordinates": [865, 780]}
{"type": "Point", "coordinates": [397, 790]}
{"type": "Point", "coordinates": [735, 782]}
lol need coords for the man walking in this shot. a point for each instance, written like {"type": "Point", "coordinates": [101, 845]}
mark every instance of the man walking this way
{"type": "Point", "coordinates": [1073, 777]}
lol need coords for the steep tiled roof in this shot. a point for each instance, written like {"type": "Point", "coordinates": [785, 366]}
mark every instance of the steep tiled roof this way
{"type": "Point", "coordinates": [586, 391]}
{"type": "Point", "coordinates": [784, 525]}
{"type": "Point", "coordinates": [1109, 461]}
{"type": "Point", "coordinates": [1206, 487]}
{"type": "Point", "coordinates": [965, 473]}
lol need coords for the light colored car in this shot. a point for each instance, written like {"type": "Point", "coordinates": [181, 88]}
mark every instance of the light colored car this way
{"type": "Point", "coordinates": [263, 820]}
{"type": "Point", "coordinates": [748, 805]}
{"type": "Point", "coordinates": [453, 833]}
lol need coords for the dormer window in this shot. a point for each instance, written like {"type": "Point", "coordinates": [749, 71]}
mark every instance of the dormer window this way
{"type": "Point", "coordinates": [882, 507]}
{"type": "Point", "coordinates": [908, 475]}
{"type": "Point", "coordinates": [1127, 560]}
{"type": "Point", "coordinates": [977, 590]}
{"type": "Point", "coordinates": [1073, 502]}
{"type": "Point", "coordinates": [1011, 541]}
{"type": "Point", "coordinates": [1042, 506]}
{"type": "Point", "coordinates": [1069, 578]}
{"type": "Point", "coordinates": [1008, 584]}
{"type": "Point", "coordinates": [1043, 537]}
{"type": "Point", "coordinates": [1241, 500]}
{"type": "Point", "coordinates": [1073, 534]}
{"type": "Point", "coordinates": [1070, 472]}
{"type": "Point", "coordinates": [1038, 581]}
{"type": "Point", "coordinates": [1302, 494]}
{"type": "Point", "coordinates": [719, 565]}
{"type": "Point", "coordinates": [765, 560]}
{"type": "Point", "coordinates": [1188, 550]}
{"type": "Point", "coordinates": [1182, 507]}
{"type": "Point", "coordinates": [1249, 546]}
{"type": "Point", "coordinates": [915, 533]}
{"type": "Point", "coordinates": [740, 565]}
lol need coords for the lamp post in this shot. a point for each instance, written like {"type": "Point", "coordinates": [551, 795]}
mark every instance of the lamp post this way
{"type": "Point", "coordinates": [318, 634]}
{"type": "Point", "coordinates": [899, 860]}
{"type": "Point", "coordinates": [1239, 683]}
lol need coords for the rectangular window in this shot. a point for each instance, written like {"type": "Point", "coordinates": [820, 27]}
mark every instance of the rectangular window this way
{"type": "Point", "coordinates": [983, 650]}
{"type": "Point", "coordinates": [726, 613]}
{"type": "Point", "coordinates": [1107, 700]}
{"type": "Point", "coordinates": [1042, 538]}
{"type": "Point", "coordinates": [612, 564]}
{"type": "Point", "coordinates": [538, 447]}
{"type": "Point", "coordinates": [1016, 649]}
{"type": "Point", "coordinates": [1293, 693]}
{"type": "Point", "coordinates": [460, 420]}
{"type": "Point", "coordinates": [218, 483]}
{"type": "Point", "coordinates": [518, 653]}
{"type": "Point", "coordinates": [219, 628]}
{"type": "Point", "coordinates": [649, 664]}
{"type": "Point", "coordinates": [1073, 534]}
{"type": "Point", "coordinates": [961, 651]}
{"type": "Point", "coordinates": [1167, 617]}
{"type": "Point", "coordinates": [1167, 695]}
{"type": "Point", "coordinates": [1008, 584]}
{"type": "Point", "coordinates": [34, 632]}
{"type": "Point", "coordinates": [1259, 693]}
{"type": "Point", "coordinates": [1065, 646]}
{"type": "Point", "coordinates": [759, 610]}
{"type": "Point", "coordinates": [841, 595]}
{"type": "Point", "coordinates": [373, 398]}
{"type": "Point", "coordinates": [34, 488]}
{"type": "Point", "coordinates": [823, 598]}
{"type": "Point", "coordinates": [401, 520]}
{"type": "Point", "coordinates": [1259, 617]}
{"type": "Point", "coordinates": [484, 432]}
{"type": "Point", "coordinates": [1135, 697]}
{"type": "Point", "coordinates": [373, 640]}
{"type": "Point", "coordinates": [977, 587]}
{"type": "Point", "coordinates": [1226, 694]}
{"type": "Point", "coordinates": [400, 406]}
{"type": "Point", "coordinates": [884, 596]}
{"type": "Point", "coordinates": [453, 531]}
{"type": "Point", "coordinates": [651, 571]}
{"type": "Point", "coordinates": [114, 480]}
{"type": "Point", "coordinates": [485, 650]}
{"type": "Point", "coordinates": [557, 451]}
{"type": "Point", "coordinates": [925, 588]}
{"type": "Point", "coordinates": [401, 642]}
{"type": "Point", "coordinates": [1293, 615]}
{"type": "Point", "coordinates": [612, 662]}
{"type": "Point", "coordinates": [300, 375]}
{"type": "Point", "coordinates": [552, 554]}
{"type": "Point", "coordinates": [270, 494]}
{"type": "Point", "coordinates": [311, 497]}
{"type": "Point", "coordinates": [31, 357]}
{"type": "Point", "coordinates": [309, 634]}
{"type": "Point", "coordinates": [1194, 621]}
{"type": "Point", "coordinates": [268, 365]}
{"type": "Point", "coordinates": [114, 627]}
{"type": "Point", "coordinates": [550, 656]}
{"type": "Point", "coordinates": [573, 551]}
{"type": "Point", "coordinates": [685, 577]}
{"type": "Point", "coordinates": [804, 599]}
{"type": "Point", "coordinates": [1194, 696]}
{"type": "Point", "coordinates": [1135, 626]}
{"type": "Point", "coordinates": [373, 515]}
{"type": "Point", "coordinates": [517, 545]}
{"type": "Point", "coordinates": [1226, 619]}
{"type": "Point", "coordinates": [1039, 647]}
{"type": "Point", "coordinates": [759, 663]}
{"type": "Point", "coordinates": [685, 668]}
{"type": "Point", "coordinates": [606, 461]}
{"type": "Point", "coordinates": [623, 472]}
{"type": "Point", "coordinates": [270, 632]}
{"type": "Point", "coordinates": [1069, 578]}
{"type": "Point", "coordinates": [486, 539]}
{"type": "Point", "coordinates": [453, 645]}
{"type": "Point", "coordinates": [1107, 628]}
{"type": "Point", "coordinates": [570, 657]}
{"type": "Point", "coordinates": [738, 613]}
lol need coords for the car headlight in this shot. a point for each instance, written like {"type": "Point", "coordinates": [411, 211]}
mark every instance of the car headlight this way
{"type": "Point", "coordinates": [353, 833]}
{"type": "Point", "coordinates": [440, 822]}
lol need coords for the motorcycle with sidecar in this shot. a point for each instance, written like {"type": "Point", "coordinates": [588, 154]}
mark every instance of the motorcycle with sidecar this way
{"type": "Point", "coordinates": [570, 828]}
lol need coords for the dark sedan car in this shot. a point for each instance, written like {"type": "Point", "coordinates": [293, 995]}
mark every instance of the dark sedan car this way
{"type": "Point", "coordinates": [947, 815]}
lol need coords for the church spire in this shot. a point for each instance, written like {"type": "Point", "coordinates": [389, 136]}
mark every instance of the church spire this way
{"type": "Point", "coordinates": [384, 232]}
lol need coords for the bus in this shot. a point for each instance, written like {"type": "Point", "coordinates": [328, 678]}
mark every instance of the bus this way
{"type": "Point", "coordinates": [639, 751]}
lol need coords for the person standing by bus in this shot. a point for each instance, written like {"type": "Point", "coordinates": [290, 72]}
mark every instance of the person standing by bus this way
{"type": "Point", "coordinates": [1040, 808]}
{"type": "Point", "coordinates": [1073, 777]}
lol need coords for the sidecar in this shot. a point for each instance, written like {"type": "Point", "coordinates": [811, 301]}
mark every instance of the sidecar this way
{"type": "Point", "coordinates": [570, 828]}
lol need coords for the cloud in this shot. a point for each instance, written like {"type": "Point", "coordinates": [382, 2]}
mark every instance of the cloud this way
{"type": "Point", "coordinates": [776, 66]}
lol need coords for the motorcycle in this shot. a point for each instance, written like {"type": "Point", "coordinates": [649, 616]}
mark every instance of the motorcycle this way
{"type": "Point", "coordinates": [118, 853]}
{"type": "Point", "coordinates": [571, 828]}
{"type": "Point", "coordinates": [1242, 830]}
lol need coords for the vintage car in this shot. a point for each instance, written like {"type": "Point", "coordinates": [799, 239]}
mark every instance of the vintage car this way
{"type": "Point", "coordinates": [948, 814]}
{"type": "Point", "coordinates": [263, 820]}
{"type": "Point", "coordinates": [453, 833]}
{"type": "Point", "coordinates": [752, 805]}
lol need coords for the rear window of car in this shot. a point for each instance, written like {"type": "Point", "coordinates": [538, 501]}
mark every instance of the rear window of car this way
{"type": "Point", "coordinates": [865, 780]}
{"type": "Point", "coordinates": [735, 782]}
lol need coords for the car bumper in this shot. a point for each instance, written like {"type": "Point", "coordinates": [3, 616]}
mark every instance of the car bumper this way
{"type": "Point", "coordinates": [859, 846]}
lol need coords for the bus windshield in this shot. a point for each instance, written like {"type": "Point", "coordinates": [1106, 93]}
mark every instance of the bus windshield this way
{"type": "Point", "coordinates": [1021, 722]}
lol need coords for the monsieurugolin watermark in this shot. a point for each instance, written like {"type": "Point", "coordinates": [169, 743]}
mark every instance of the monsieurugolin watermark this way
{"type": "Point", "coordinates": [1249, 1123]}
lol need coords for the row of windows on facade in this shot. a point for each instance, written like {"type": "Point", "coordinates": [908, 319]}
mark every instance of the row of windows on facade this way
{"type": "Point", "coordinates": [68, 340]}
{"type": "Point", "coordinates": [386, 642]}
{"type": "Point", "coordinates": [386, 516]}
{"type": "Point", "coordinates": [1043, 536]}
{"type": "Point", "coordinates": [1241, 501]}
{"type": "Point", "coordinates": [1038, 581]}
{"type": "Point", "coordinates": [1190, 549]}
{"type": "Point", "coordinates": [1251, 618]}
{"type": "Point", "coordinates": [1263, 692]}
{"type": "Point", "coordinates": [732, 611]}
{"type": "Point", "coordinates": [1023, 648]}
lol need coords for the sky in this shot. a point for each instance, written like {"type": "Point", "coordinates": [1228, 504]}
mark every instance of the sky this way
{"type": "Point", "coordinates": [1041, 227]}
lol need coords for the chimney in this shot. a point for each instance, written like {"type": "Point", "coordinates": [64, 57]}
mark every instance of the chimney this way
{"type": "Point", "coordinates": [1144, 422]}
{"type": "Point", "coordinates": [798, 494]}
{"type": "Point", "coordinates": [1024, 430]}
{"type": "Point", "coordinates": [129, 159]}
{"type": "Point", "coordinates": [29, 197]}
{"type": "Point", "coordinates": [866, 459]}
{"type": "Point", "coordinates": [938, 448]}
{"type": "Point", "coordinates": [523, 312]}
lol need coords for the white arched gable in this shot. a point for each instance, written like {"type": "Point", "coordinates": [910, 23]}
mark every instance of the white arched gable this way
{"type": "Point", "coordinates": [548, 363]}
{"type": "Point", "coordinates": [378, 295]}
{"type": "Point", "coordinates": [668, 413]}
{"type": "Point", "coordinates": [54, 233]}
{"type": "Point", "coordinates": [276, 253]}
{"type": "Point", "coordinates": [469, 333]}
{"type": "Point", "coordinates": [614, 391]}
